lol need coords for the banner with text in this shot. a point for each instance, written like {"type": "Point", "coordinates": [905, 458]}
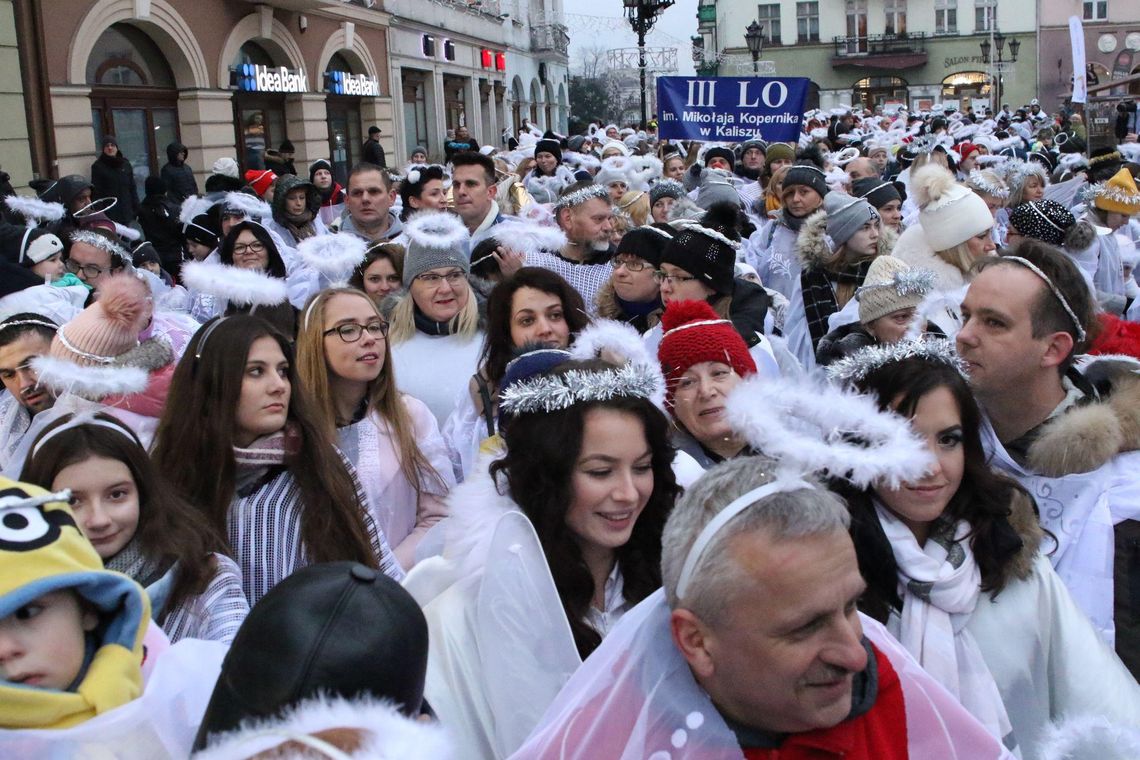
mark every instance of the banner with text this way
{"type": "Point", "coordinates": [730, 109]}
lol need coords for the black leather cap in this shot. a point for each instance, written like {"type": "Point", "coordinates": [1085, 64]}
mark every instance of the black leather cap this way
{"type": "Point", "coordinates": [338, 628]}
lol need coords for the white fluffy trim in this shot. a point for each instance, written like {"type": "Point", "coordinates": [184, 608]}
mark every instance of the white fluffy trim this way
{"type": "Point", "coordinates": [812, 427]}
{"type": "Point", "coordinates": [34, 210]}
{"type": "Point", "coordinates": [192, 207]}
{"type": "Point", "coordinates": [619, 343]}
{"type": "Point", "coordinates": [1130, 151]}
{"type": "Point", "coordinates": [437, 230]}
{"type": "Point", "coordinates": [582, 161]}
{"type": "Point", "coordinates": [334, 256]}
{"type": "Point", "coordinates": [94, 383]}
{"type": "Point", "coordinates": [644, 169]}
{"type": "Point", "coordinates": [1089, 737]}
{"type": "Point", "coordinates": [527, 238]}
{"type": "Point", "coordinates": [386, 733]}
{"type": "Point", "coordinates": [249, 205]}
{"type": "Point", "coordinates": [243, 287]}
{"type": "Point", "coordinates": [127, 233]}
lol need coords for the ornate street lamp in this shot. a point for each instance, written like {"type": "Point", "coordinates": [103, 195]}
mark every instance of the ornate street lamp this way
{"type": "Point", "coordinates": [642, 15]}
{"type": "Point", "coordinates": [754, 36]}
{"type": "Point", "coordinates": [985, 45]}
{"type": "Point", "coordinates": [998, 46]}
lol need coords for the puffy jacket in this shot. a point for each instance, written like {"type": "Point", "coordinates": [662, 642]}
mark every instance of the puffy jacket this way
{"type": "Point", "coordinates": [114, 177]}
{"type": "Point", "coordinates": [178, 176]}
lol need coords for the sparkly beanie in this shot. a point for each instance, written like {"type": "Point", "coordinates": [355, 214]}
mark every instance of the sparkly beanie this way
{"type": "Point", "coordinates": [704, 253]}
{"type": "Point", "coordinates": [693, 333]}
{"type": "Point", "coordinates": [807, 174]}
{"type": "Point", "coordinates": [780, 152]}
{"type": "Point", "coordinates": [950, 214]}
{"type": "Point", "coordinates": [436, 239]}
{"type": "Point", "coordinates": [1118, 194]}
{"type": "Point", "coordinates": [891, 285]}
{"type": "Point", "coordinates": [846, 216]}
{"type": "Point", "coordinates": [1044, 220]}
{"type": "Point", "coordinates": [108, 328]}
{"type": "Point", "coordinates": [665, 188]}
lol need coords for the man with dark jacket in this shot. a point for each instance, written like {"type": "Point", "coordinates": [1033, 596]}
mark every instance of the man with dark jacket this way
{"type": "Point", "coordinates": [178, 176]}
{"type": "Point", "coordinates": [373, 150]}
{"type": "Point", "coordinates": [158, 217]}
{"type": "Point", "coordinates": [112, 176]}
{"type": "Point", "coordinates": [462, 142]}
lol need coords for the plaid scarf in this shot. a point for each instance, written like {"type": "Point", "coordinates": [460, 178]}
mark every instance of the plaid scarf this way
{"type": "Point", "coordinates": [818, 286]}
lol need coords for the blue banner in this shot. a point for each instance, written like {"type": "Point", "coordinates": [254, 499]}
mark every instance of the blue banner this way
{"type": "Point", "coordinates": [730, 109]}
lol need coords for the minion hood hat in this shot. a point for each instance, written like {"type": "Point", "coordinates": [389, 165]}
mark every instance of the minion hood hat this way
{"type": "Point", "coordinates": [41, 551]}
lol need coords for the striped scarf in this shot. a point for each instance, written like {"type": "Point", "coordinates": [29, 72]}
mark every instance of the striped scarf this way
{"type": "Point", "coordinates": [818, 286]}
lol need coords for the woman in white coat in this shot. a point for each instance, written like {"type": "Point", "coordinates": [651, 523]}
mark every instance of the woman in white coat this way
{"type": "Point", "coordinates": [955, 569]}
{"type": "Point", "coordinates": [392, 438]}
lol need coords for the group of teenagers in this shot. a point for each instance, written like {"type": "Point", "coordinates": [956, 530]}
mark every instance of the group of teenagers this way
{"type": "Point", "coordinates": [588, 447]}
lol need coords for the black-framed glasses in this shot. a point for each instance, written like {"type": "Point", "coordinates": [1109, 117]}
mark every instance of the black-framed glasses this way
{"type": "Point", "coordinates": [87, 271]}
{"type": "Point", "coordinates": [350, 332]}
{"type": "Point", "coordinates": [672, 279]}
{"type": "Point", "coordinates": [632, 264]}
{"type": "Point", "coordinates": [243, 248]}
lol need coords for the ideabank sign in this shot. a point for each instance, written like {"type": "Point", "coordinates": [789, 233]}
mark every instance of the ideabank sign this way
{"type": "Point", "coordinates": [343, 83]}
{"type": "Point", "coordinates": [249, 77]}
{"type": "Point", "coordinates": [730, 109]}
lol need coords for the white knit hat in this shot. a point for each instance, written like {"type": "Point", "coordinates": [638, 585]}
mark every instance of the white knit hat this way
{"type": "Point", "coordinates": [950, 214]}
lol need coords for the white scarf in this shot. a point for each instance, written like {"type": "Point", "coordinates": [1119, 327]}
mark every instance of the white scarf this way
{"type": "Point", "coordinates": [940, 583]}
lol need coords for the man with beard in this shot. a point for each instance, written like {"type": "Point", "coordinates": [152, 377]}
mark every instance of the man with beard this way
{"type": "Point", "coordinates": [23, 337]}
{"type": "Point", "coordinates": [585, 216]}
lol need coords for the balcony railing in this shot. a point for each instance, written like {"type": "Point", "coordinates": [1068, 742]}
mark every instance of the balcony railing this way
{"type": "Point", "coordinates": [880, 44]}
{"type": "Point", "coordinates": [550, 38]}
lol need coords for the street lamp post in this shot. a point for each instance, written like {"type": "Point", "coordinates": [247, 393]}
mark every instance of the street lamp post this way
{"type": "Point", "coordinates": [996, 43]}
{"type": "Point", "coordinates": [754, 36]}
{"type": "Point", "coordinates": [642, 15]}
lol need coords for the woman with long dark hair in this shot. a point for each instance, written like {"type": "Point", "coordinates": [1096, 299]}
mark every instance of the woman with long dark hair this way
{"type": "Point", "coordinates": [535, 306]}
{"type": "Point", "coordinates": [264, 472]}
{"type": "Point", "coordinates": [139, 526]}
{"type": "Point", "coordinates": [345, 362]}
{"type": "Point", "coordinates": [954, 565]}
{"type": "Point", "coordinates": [559, 537]}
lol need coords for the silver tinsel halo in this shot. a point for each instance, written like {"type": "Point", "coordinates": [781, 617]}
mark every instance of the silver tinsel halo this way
{"type": "Point", "coordinates": [103, 243]}
{"type": "Point", "coordinates": [910, 282]}
{"type": "Point", "coordinates": [549, 393]}
{"type": "Point", "coordinates": [578, 197]}
{"type": "Point", "coordinates": [855, 368]}
{"type": "Point", "coordinates": [1112, 193]}
{"type": "Point", "coordinates": [979, 181]}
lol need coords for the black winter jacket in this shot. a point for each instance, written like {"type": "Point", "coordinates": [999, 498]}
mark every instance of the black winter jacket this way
{"type": "Point", "coordinates": [178, 176]}
{"type": "Point", "coordinates": [158, 218]}
{"type": "Point", "coordinates": [114, 177]}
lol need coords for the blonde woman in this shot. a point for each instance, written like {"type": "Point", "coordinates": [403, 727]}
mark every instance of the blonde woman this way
{"type": "Point", "coordinates": [345, 362]}
{"type": "Point", "coordinates": [635, 205]}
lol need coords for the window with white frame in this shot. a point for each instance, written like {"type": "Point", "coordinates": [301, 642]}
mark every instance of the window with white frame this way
{"type": "Point", "coordinates": [1096, 10]}
{"type": "Point", "coordinates": [945, 16]}
{"type": "Point", "coordinates": [807, 22]}
{"type": "Point", "coordinates": [769, 15]}
{"type": "Point", "coordinates": [985, 15]}
{"type": "Point", "coordinates": [896, 17]}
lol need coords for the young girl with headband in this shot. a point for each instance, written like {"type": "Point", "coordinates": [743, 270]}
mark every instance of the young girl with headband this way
{"type": "Point", "coordinates": [139, 526]}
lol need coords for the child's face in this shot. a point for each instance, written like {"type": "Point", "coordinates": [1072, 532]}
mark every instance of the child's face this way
{"type": "Point", "coordinates": [105, 501]}
{"type": "Point", "coordinates": [42, 644]}
{"type": "Point", "coordinates": [153, 267]}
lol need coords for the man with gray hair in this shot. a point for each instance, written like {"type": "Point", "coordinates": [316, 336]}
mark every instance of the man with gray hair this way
{"type": "Point", "coordinates": [755, 649]}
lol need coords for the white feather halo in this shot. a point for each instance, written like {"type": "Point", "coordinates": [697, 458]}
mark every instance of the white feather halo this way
{"type": "Point", "coordinates": [582, 161]}
{"type": "Point", "coordinates": [528, 238]}
{"type": "Point", "coordinates": [192, 207]}
{"type": "Point", "coordinates": [1130, 152]}
{"type": "Point", "coordinates": [249, 205]}
{"type": "Point", "coordinates": [127, 233]}
{"type": "Point", "coordinates": [643, 170]}
{"type": "Point", "coordinates": [93, 383]}
{"type": "Point", "coordinates": [243, 287]}
{"type": "Point", "coordinates": [619, 343]}
{"type": "Point", "coordinates": [813, 427]}
{"type": "Point", "coordinates": [336, 256]}
{"type": "Point", "coordinates": [437, 230]}
{"type": "Point", "coordinates": [34, 210]}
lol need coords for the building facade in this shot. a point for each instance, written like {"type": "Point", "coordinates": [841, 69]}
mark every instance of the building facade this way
{"type": "Point", "coordinates": [880, 52]}
{"type": "Point", "coordinates": [236, 78]}
{"type": "Point", "coordinates": [1112, 46]}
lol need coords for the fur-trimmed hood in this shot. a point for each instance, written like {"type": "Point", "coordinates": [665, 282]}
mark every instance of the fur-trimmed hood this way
{"type": "Point", "coordinates": [609, 308]}
{"type": "Point", "coordinates": [1089, 434]}
{"type": "Point", "coordinates": [912, 248]}
{"type": "Point", "coordinates": [361, 728]}
{"type": "Point", "coordinates": [814, 248]}
{"type": "Point", "coordinates": [1025, 522]}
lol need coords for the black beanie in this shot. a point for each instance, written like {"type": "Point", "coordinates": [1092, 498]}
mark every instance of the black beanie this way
{"type": "Point", "coordinates": [647, 243]}
{"type": "Point", "coordinates": [806, 173]}
{"type": "Point", "coordinates": [877, 192]}
{"type": "Point", "coordinates": [549, 146]}
{"type": "Point", "coordinates": [704, 253]}
{"type": "Point", "coordinates": [721, 152]}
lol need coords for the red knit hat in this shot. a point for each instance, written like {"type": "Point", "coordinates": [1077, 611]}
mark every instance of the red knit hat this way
{"type": "Point", "coordinates": [966, 149]}
{"type": "Point", "coordinates": [694, 334]}
{"type": "Point", "coordinates": [260, 180]}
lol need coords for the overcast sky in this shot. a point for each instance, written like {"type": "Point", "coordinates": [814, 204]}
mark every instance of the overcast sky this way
{"type": "Point", "coordinates": [608, 27]}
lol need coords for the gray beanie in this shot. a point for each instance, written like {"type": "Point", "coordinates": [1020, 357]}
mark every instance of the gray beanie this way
{"type": "Point", "coordinates": [716, 187]}
{"type": "Point", "coordinates": [436, 239]}
{"type": "Point", "coordinates": [845, 215]}
{"type": "Point", "coordinates": [665, 188]}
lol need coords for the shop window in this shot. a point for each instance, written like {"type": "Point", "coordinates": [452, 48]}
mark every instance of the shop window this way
{"type": "Point", "coordinates": [807, 22]}
{"type": "Point", "coordinates": [877, 91]}
{"type": "Point", "coordinates": [415, 114]}
{"type": "Point", "coordinates": [965, 87]}
{"type": "Point", "coordinates": [945, 16]}
{"type": "Point", "coordinates": [769, 15]}
{"type": "Point", "coordinates": [454, 102]}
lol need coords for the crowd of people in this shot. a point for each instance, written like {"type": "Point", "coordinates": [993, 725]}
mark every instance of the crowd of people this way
{"type": "Point", "coordinates": [599, 446]}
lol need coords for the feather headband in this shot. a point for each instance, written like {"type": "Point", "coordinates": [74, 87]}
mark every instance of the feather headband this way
{"type": "Point", "coordinates": [127, 233]}
{"type": "Point", "coordinates": [437, 230]}
{"type": "Point", "coordinates": [242, 287]}
{"type": "Point", "coordinates": [335, 256]}
{"type": "Point", "coordinates": [247, 205]}
{"type": "Point", "coordinates": [524, 236]}
{"type": "Point", "coordinates": [855, 368]}
{"type": "Point", "coordinates": [34, 210]}
{"type": "Point", "coordinates": [93, 383]}
{"type": "Point", "coordinates": [550, 393]}
{"type": "Point", "coordinates": [580, 196]}
{"type": "Point", "coordinates": [192, 207]}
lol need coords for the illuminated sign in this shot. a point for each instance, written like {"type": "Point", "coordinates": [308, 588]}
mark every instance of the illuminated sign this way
{"type": "Point", "coordinates": [343, 83]}
{"type": "Point", "coordinates": [249, 77]}
{"type": "Point", "coordinates": [500, 61]}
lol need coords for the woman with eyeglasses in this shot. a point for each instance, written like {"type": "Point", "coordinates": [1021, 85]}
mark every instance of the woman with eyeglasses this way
{"type": "Point", "coordinates": [535, 307]}
{"type": "Point", "coordinates": [240, 441]}
{"type": "Point", "coordinates": [435, 329]}
{"type": "Point", "coordinates": [344, 360]}
{"type": "Point", "coordinates": [632, 294]}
